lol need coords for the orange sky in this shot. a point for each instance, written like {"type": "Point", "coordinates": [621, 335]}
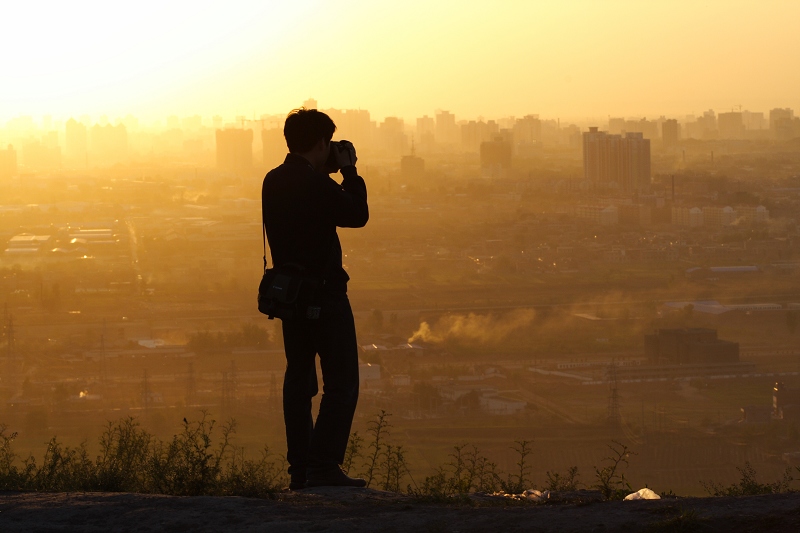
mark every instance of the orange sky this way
{"type": "Point", "coordinates": [558, 59]}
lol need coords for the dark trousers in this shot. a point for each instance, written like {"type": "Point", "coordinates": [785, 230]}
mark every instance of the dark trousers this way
{"type": "Point", "coordinates": [320, 445]}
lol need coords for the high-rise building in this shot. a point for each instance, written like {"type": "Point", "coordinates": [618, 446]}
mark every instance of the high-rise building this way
{"type": "Point", "coordinates": [474, 133]}
{"type": "Point", "coordinates": [234, 149]}
{"type": "Point", "coordinates": [614, 161]}
{"type": "Point", "coordinates": [76, 143]}
{"type": "Point", "coordinates": [496, 156]}
{"type": "Point", "coordinates": [354, 125]}
{"type": "Point", "coordinates": [648, 128]}
{"type": "Point", "coordinates": [670, 132]}
{"type": "Point", "coordinates": [311, 103]}
{"type": "Point", "coordinates": [42, 153]}
{"type": "Point", "coordinates": [109, 144]}
{"type": "Point", "coordinates": [446, 129]}
{"type": "Point", "coordinates": [528, 129]}
{"type": "Point", "coordinates": [635, 162]}
{"type": "Point", "coordinates": [753, 120]}
{"type": "Point", "coordinates": [391, 135]}
{"type": "Point", "coordinates": [426, 127]}
{"type": "Point", "coordinates": [616, 125]}
{"type": "Point", "coordinates": [730, 125]}
{"type": "Point", "coordinates": [780, 123]}
{"type": "Point", "coordinates": [273, 146]}
{"type": "Point", "coordinates": [8, 162]}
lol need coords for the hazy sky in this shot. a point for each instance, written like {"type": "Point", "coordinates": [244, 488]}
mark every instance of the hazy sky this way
{"type": "Point", "coordinates": [563, 59]}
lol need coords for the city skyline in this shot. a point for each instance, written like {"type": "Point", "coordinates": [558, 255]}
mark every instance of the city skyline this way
{"type": "Point", "coordinates": [49, 121]}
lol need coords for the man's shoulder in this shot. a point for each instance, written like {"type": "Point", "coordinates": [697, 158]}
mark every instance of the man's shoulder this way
{"type": "Point", "coordinates": [279, 174]}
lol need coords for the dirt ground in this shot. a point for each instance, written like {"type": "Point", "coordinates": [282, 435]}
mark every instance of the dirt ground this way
{"type": "Point", "coordinates": [329, 509]}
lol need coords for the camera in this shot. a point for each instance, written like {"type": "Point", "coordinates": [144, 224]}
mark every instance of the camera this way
{"type": "Point", "coordinates": [337, 147]}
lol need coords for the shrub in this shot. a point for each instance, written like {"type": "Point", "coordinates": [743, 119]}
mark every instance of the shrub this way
{"type": "Point", "coordinates": [611, 480]}
{"type": "Point", "coordinates": [747, 485]}
{"type": "Point", "coordinates": [132, 460]}
{"type": "Point", "coordinates": [566, 482]}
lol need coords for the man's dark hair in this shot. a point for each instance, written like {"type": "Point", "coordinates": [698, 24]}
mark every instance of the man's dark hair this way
{"type": "Point", "coordinates": [305, 127]}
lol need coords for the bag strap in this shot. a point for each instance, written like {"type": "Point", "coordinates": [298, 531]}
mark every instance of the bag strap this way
{"type": "Point", "coordinates": [264, 237]}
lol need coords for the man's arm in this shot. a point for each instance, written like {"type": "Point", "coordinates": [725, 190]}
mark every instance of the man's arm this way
{"type": "Point", "coordinates": [350, 208]}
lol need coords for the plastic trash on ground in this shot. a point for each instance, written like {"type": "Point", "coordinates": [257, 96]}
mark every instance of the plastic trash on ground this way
{"type": "Point", "coordinates": [643, 494]}
{"type": "Point", "coordinates": [530, 494]}
{"type": "Point", "coordinates": [536, 495]}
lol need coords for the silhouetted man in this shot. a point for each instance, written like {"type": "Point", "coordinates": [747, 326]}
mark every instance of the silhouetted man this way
{"type": "Point", "coordinates": [302, 206]}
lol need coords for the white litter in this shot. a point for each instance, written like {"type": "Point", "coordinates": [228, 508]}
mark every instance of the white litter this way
{"type": "Point", "coordinates": [536, 495]}
{"type": "Point", "coordinates": [530, 494]}
{"type": "Point", "coordinates": [643, 494]}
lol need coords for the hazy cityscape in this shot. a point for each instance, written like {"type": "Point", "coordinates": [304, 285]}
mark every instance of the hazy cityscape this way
{"type": "Point", "coordinates": [520, 278]}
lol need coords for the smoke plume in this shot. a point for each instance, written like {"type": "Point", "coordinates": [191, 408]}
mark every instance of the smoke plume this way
{"type": "Point", "coordinates": [472, 327]}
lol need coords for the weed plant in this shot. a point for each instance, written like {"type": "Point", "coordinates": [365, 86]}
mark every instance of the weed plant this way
{"type": "Point", "coordinates": [202, 459]}
{"type": "Point", "coordinates": [610, 479]}
{"type": "Point", "coordinates": [133, 460]}
{"type": "Point", "coordinates": [563, 482]}
{"type": "Point", "coordinates": [748, 485]}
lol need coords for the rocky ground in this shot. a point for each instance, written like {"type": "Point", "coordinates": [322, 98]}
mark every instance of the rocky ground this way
{"type": "Point", "coordinates": [336, 509]}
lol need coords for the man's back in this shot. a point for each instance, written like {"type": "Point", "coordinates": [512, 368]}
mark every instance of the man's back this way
{"type": "Point", "coordinates": [302, 208]}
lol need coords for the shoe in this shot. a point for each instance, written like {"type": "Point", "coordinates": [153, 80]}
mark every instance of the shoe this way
{"type": "Point", "coordinates": [334, 478]}
{"type": "Point", "coordinates": [297, 482]}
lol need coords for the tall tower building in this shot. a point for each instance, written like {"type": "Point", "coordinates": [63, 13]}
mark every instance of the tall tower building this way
{"type": "Point", "coordinates": [617, 162]}
{"type": "Point", "coordinates": [8, 162]}
{"type": "Point", "coordinates": [391, 135]}
{"type": "Point", "coordinates": [426, 126]}
{"type": "Point", "coordinates": [446, 130]}
{"type": "Point", "coordinates": [234, 149]}
{"type": "Point", "coordinates": [780, 122]}
{"type": "Point", "coordinates": [76, 142]}
{"type": "Point", "coordinates": [528, 129]}
{"type": "Point", "coordinates": [635, 162]}
{"type": "Point", "coordinates": [670, 132]}
{"type": "Point", "coordinates": [496, 156]}
{"type": "Point", "coordinates": [595, 156]}
{"type": "Point", "coordinates": [730, 125]}
{"type": "Point", "coordinates": [273, 147]}
{"type": "Point", "coordinates": [109, 144]}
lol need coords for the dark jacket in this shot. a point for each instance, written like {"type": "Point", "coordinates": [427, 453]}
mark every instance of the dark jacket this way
{"type": "Point", "coordinates": [302, 208]}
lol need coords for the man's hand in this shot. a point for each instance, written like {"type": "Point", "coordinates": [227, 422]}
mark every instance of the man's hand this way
{"type": "Point", "coordinates": [346, 154]}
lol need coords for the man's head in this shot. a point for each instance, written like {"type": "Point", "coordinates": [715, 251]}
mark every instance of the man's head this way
{"type": "Point", "coordinates": [308, 133]}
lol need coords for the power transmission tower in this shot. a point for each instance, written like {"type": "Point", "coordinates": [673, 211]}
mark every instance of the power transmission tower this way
{"type": "Point", "coordinates": [191, 386]}
{"type": "Point", "coordinates": [11, 359]}
{"type": "Point", "coordinates": [103, 375]}
{"type": "Point", "coordinates": [146, 393]}
{"type": "Point", "coordinates": [613, 394]}
{"type": "Point", "coordinates": [229, 388]}
{"type": "Point", "coordinates": [233, 381]}
{"type": "Point", "coordinates": [225, 392]}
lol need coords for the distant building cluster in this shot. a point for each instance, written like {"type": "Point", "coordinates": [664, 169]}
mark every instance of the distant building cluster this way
{"type": "Point", "coordinates": [649, 211]}
{"type": "Point", "coordinates": [234, 149]}
{"type": "Point", "coordinates": [8, 162]}
{"type": "Point", "coordinates": [618, 157]}
{"type": "Point", "coordinates": [718, 216]}
{"type": "Point", "coordinates": [93, 257]}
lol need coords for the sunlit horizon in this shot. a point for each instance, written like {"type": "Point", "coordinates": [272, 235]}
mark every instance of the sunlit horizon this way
{"type": "Point", "coordinates": [570, 61]}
